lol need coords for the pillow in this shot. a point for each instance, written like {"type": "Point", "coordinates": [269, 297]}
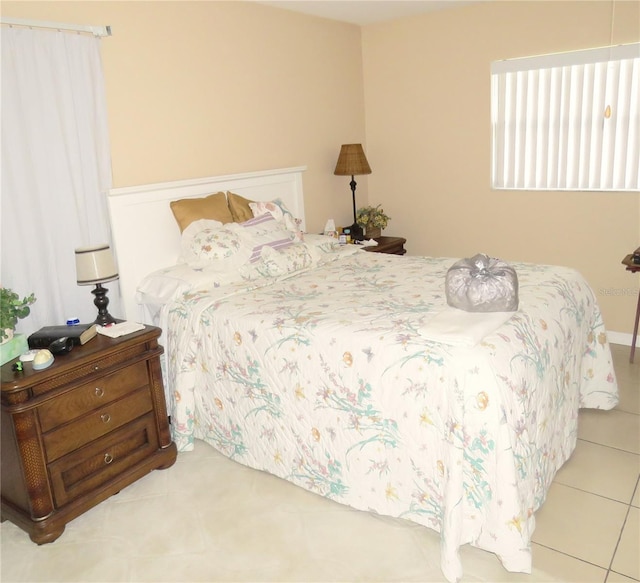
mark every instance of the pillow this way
{"type": "Point", "coordinates": [239, 207]}
{"type": "Point", "coordinates": [265, 230]}
{"type": "Point", "coordinates": [328, 248]}
{"type": "Point", "coordinates": [277, 209]}
{"type": "Point", "coordinates": [212, 207]}
{"type": "Point", "coordinates": [293, 258]}
{"type": "Point", "coordinates": [215, 246]}
{"type": "Point", "coordinates": [163, 285]}
{"type": "Point", "coordinates": [323, 243]}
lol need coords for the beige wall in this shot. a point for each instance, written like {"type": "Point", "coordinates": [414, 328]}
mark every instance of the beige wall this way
{"type": "Point", "coordinates": [427, 95]}
{"type": "Point", "coordinates": [204, 88]}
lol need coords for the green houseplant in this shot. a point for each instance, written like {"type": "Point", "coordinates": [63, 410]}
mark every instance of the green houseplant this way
{"type": "Point", "coordinates": [372, 219]}
{"type": "Point", "coordinates": [12, 309]}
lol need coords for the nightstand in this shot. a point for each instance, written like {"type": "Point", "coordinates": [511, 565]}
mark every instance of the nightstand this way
{"type": "Point", "coordinates": [79, 431]}
{"type": "Point", "coordinates": [391, 245]}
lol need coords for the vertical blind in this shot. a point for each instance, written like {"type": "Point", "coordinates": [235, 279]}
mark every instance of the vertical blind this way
{"type": "Point", "coordinates": [568, 121]}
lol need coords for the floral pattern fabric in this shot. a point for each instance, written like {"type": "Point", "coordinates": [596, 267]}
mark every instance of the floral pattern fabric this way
{"type": "Point", "coordinates": [323, 376]}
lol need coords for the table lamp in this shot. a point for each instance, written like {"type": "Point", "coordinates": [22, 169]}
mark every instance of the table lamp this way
{"type": "Point", "coordinates": [352, 162]}
{"type": "Point", "coordinates": [95, 266]}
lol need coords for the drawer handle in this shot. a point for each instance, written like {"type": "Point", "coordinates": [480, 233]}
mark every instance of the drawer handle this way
{"type": "Point", "coordinates": [99, 392]}
{"type": "Point", "coordinates": [105, 417]}
{"type": "Point", "coordinates": [108, 458]}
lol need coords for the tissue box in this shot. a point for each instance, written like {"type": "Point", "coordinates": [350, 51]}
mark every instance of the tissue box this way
{"type": "Point", "coordinates": [15, 347]}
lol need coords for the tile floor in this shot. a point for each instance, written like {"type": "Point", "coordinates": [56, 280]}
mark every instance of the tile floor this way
{"type": "Point", "coordinates": [210, 519]}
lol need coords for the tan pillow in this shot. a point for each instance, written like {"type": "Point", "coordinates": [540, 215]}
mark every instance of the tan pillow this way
{"type": "Point", "coordinates": [239, 207]}
{"type": "Point", "coordinates": [213, 207]}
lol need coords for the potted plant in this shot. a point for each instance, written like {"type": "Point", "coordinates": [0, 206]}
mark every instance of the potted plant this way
{"type": "Point", "coordinates": [372, 219]}
{"type": "Point", "coordinates": [12, 309]}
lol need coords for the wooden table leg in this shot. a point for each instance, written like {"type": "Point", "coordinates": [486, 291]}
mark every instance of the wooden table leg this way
{"type": "Point", "coordinates": [635, 330]}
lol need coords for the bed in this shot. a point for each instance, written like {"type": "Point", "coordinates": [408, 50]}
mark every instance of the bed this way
{"type": "Point", "coordinates": [346, 373]}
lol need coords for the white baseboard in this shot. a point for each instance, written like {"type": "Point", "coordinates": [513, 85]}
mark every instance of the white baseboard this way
{"type": "Point", "coordinates": [622, 338]}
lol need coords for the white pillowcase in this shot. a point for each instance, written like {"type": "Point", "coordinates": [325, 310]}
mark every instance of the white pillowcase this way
{"type": "Point", "coordinates": [163, 285]}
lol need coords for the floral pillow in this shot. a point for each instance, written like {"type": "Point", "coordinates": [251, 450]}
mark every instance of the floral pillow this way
{"type": "Point", "coordinates": [323, 243]}
{"type": "Point", "coordinates": [277, 209]}
{"type": "Point", "coordinates": [211, 244]}
{"type": "Point", "coordinates": [294, 258]}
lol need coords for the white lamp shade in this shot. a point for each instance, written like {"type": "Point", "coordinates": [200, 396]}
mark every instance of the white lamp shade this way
{"type": "Point", "coordinates": [95, 265]}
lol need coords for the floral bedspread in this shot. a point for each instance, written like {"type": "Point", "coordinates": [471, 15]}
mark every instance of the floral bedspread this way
{"type": "Point", "coordinates": [324, 377]}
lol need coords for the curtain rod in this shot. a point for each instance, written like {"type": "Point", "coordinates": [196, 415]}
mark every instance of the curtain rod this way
{"type": "Point", "coordinates": [94, 30]}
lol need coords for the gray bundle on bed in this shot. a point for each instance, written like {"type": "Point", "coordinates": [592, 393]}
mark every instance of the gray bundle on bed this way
{"type": "Point", "coordinates": [482, 284]}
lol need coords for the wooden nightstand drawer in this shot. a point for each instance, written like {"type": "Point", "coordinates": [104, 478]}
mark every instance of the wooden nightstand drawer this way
{"type": "Point", "coordinates": [97, 364]}
{"type": "Point", "coordinates": [96, 393]}
{"type": "Point", "coordinates": [96, 424]}
{"type": "Point", "coordinates": [87, 468]}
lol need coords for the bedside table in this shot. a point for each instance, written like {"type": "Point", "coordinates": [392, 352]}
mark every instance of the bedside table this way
{"type": "Point", "coordinates": [391, 245]}
{"type": "Point", "coordinates": [79, 431]}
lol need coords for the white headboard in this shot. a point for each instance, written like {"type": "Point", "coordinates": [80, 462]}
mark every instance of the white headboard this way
{"type": "Point", "coordinates": [146, 236]}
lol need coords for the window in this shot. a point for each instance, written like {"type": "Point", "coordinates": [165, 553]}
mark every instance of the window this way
{"type": "Point", "coordinates": [567, 121]}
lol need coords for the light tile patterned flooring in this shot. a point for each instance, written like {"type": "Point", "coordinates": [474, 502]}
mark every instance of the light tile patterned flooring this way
{"type": "Point", "coordinates": [210, 519]}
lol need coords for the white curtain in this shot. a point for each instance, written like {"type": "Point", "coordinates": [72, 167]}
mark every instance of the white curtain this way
{"type": "Point", "coordinates": [56, 170]}
{"type": "Point", "coordinates": [569, 121]}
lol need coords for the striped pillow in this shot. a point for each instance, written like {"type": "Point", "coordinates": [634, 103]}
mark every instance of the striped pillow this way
{"type": "Point", "coordinates": [264, 230]}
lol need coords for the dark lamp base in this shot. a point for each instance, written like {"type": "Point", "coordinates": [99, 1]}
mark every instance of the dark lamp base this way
{"type": "Point", "coordinates": [101, 302]}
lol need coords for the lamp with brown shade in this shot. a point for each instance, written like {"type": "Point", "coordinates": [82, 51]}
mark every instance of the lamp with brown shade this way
{"type": "Point", "coordinates": [352, 162]}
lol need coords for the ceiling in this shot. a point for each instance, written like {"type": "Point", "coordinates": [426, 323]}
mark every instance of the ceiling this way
{"type": "Point", "coordinates": [363, 12]}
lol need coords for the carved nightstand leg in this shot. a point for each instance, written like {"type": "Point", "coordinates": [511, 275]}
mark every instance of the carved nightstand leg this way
{"type": "Point", "coordinates": [44, 537]}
